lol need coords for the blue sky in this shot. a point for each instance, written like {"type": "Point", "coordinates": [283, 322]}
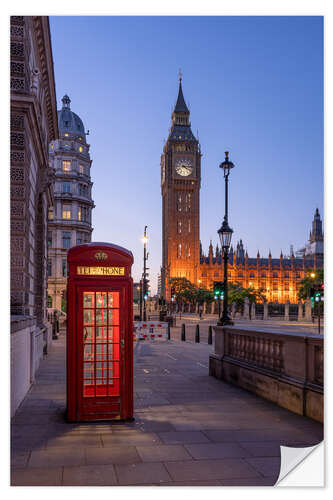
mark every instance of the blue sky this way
{"type": "Point", "coordinates": [254, 86]}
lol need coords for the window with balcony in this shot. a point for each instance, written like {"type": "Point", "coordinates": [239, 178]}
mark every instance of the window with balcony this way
{"type": "Point", "coordinates": [66, 166]}
{"type": "Point", "coordinates": [81, 169]}
{"type": "Point", "coordinates": [66, 212]}
{"type": "Point", "coordinates": [66, 187]}
{"type": "Point", "coordinates": [83, 214]}
{"type": "Point", "coordinates": [64, 268]}
{"type": "Point", "coordinates": [66, 240]}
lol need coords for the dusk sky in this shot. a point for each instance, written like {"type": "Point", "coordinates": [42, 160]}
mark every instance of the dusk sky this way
{"type": "Point", "coordinates": [254, 86]}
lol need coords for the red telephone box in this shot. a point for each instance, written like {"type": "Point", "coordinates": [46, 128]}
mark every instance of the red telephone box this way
{"type": "Point", "coordinates": [99, 333]}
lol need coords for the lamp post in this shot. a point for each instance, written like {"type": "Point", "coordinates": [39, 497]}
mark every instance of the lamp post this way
{"type": "Point", "coordinates": [225, 234]}
{"type": "Point", "coordinates": [144, 276]}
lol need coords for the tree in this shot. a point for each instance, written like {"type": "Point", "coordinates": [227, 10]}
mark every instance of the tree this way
{"type": "Point", "coordinates": [314, 277]}
{"type": "Point", "coordinates": [237, 294]}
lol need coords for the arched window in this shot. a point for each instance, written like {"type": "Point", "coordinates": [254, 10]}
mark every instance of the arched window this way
{"type": "Point", "coordinates": [179, 226]}
{"type": "Point", "coordinates": [179, 250]}
{"type": "Point", "coordinates": [179, 202]}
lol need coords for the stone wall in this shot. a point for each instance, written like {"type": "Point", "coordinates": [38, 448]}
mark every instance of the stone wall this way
{"type": "Point", "coordinates": [284, 368]}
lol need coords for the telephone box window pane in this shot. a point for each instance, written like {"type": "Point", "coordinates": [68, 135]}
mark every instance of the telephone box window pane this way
{"type": "Point", "coordinates": [101, 334]}
{"type": "Point", "coordinates": [113, 299]}
{"type": "Point", "coordinates": [88, 334]}
{"type": "Point", "coordinates": [89, 373]}
{"type": "Point", "coordinates": [101, 317]}
{"type": "Point", "coordinates": [101, 299]}
{"type": "Point", "coordinates": [89, 352]}
{"type": "Point", "coordinates": [88, 299]}
{"type": "Point", "coordinates": [113, 354]}
{"type": "Point", "coordinates": [88, 317]}
{"type": "Point", "coordinates": [113, 335]}
{"type": "Point", "coordinates": [113, 369]}
{"type": "Point", "coordinates": [113, 316]}
{"type": "Point", "coordinates": [101, 352]}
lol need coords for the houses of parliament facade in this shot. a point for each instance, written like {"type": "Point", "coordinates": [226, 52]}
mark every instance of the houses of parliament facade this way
{"type": "Point", "coordinates": [182, 256]}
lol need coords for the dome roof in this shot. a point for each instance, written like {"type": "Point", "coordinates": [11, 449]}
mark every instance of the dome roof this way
{"type": "Point", "coordinates": [69, 122]}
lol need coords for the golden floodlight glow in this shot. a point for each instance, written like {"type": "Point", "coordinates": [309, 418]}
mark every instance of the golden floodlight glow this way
{"type": "Point", "coordinates": [312, 275]}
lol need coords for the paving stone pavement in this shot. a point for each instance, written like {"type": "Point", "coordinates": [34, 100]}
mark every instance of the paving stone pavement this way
{"type": "Point", "coordinates": [190, 429]}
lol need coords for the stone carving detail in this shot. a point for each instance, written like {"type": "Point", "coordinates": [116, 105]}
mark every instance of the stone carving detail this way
{"type": "Point", "coordinates": [17, 191]}
{"type": "Point", "coordinates": [17, 68]}
{"type": "Point", "coordinates": [17, 139]}
{"type": "Point", "coordinates": [17, 156]}
{"type": "Point", "coordinates": [17, 174]}
{"type": "Point", "coordinates": [16, 49]}
{"type": "Point", "coordinates": [17, 121]}
{"type": "Point", "coordinates": [17, 84]}
{"type": "Point", "coordinates": [17, 208]}
{"type": "Point", "coordinates": [17, 244]}
{"type": "Point", "coordinates": [264, 353]}
{"type": "Point", "coordinates": [17, 19]}
{"type": "Point", "coordinates": [17, 226]}
{"type": "Point", "coordinates": [16, 279]}
{"type": "Point", "coordinates": [34, 82]}
{"type": "Point", "coordinates": [16, 31]}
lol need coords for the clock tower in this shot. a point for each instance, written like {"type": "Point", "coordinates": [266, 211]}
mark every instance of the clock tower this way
{"type": "Point", "coordinates": [180, 185]}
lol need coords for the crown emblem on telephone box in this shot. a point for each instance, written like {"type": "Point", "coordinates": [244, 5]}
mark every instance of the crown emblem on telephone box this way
{"type": "Point", "coordinates": [101, 256]}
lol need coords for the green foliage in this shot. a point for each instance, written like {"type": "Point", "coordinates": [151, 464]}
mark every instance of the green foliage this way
{"type": "Point", "coordinates": [237, 294]}
{"type": "Point", "coordinates": [308, 282]}
{"type": "Point", "coordinates": [185, 291]}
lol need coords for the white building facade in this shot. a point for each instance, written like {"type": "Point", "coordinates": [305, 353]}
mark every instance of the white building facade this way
{"type": "Point", "coordinates": [70, 221]}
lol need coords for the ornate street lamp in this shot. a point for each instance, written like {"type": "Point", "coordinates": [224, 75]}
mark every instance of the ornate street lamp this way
{"type": "Point", "coordinates": [225, 234]}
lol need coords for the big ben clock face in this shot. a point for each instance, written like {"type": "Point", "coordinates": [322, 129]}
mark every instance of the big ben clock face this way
{"type": "Point", "coordinates": [184, 167]}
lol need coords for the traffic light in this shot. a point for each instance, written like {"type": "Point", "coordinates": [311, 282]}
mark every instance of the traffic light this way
{"type": "Point", "coordinates": [172, 293]}
{"type": "Point", "coordinates": [146, 290]}
{"type": "Point", "coordinates": [312, 296]}
{"type": "Point", "coordinates": [218, 290]}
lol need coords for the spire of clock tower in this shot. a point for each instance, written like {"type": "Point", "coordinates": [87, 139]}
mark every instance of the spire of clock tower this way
{"type": "Point", "coordinates": [181, 127]}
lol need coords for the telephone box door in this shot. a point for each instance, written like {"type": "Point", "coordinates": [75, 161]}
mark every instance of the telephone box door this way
{"type": "Point", "coordinates": [101, 353]}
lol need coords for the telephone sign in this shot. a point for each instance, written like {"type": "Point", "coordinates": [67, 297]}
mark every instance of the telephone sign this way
{"type": "Point", "coordinates": [99, 333]}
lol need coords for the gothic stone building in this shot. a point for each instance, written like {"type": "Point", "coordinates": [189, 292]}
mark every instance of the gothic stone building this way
{"type": "Point", "coordinates": [33, 125]}
{"type": "Point", "coordinates": [70, 216]}
{"type": "Point", "coordinates": [181, 249]}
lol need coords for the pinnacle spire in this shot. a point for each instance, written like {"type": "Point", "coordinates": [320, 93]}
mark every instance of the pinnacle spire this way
{"type": "Point", "coordinates": [180, 104]}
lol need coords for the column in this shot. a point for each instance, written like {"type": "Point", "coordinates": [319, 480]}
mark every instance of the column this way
{"type": "Point", "coordinates": [308, 312]}
{"type": "Point", "coordinates": [300, 311]}
{"type": "Point", "coordinates": [265, 310]}
{"type": "Point", "coordinates": [253, 310]}
{"type": "Point", "coordinates": [246, 314]}
{"type": "Point", "coordinates": [233, 309]}
{"type": "Point", "coordinates": [286, 310]}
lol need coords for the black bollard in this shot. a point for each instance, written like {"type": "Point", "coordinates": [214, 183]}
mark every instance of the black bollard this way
{"type": "Point", "coordinates": [168, 331]}
{"type": "Point", "coordinates": [210, 334]}
{"type": "Point", "coordinates": [183, 332]}
{"type": "Point", "coordinates": [197, 334]}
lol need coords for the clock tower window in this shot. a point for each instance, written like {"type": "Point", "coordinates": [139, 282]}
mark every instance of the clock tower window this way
{"type": "Point", "coordinates": [179, 251]}
{"type": "Point", "coordinates": [179, 205]}
{"type": "Point", "coordinates": [188, 202]}
{"type": "Point", "coordinates": [179, 227]}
